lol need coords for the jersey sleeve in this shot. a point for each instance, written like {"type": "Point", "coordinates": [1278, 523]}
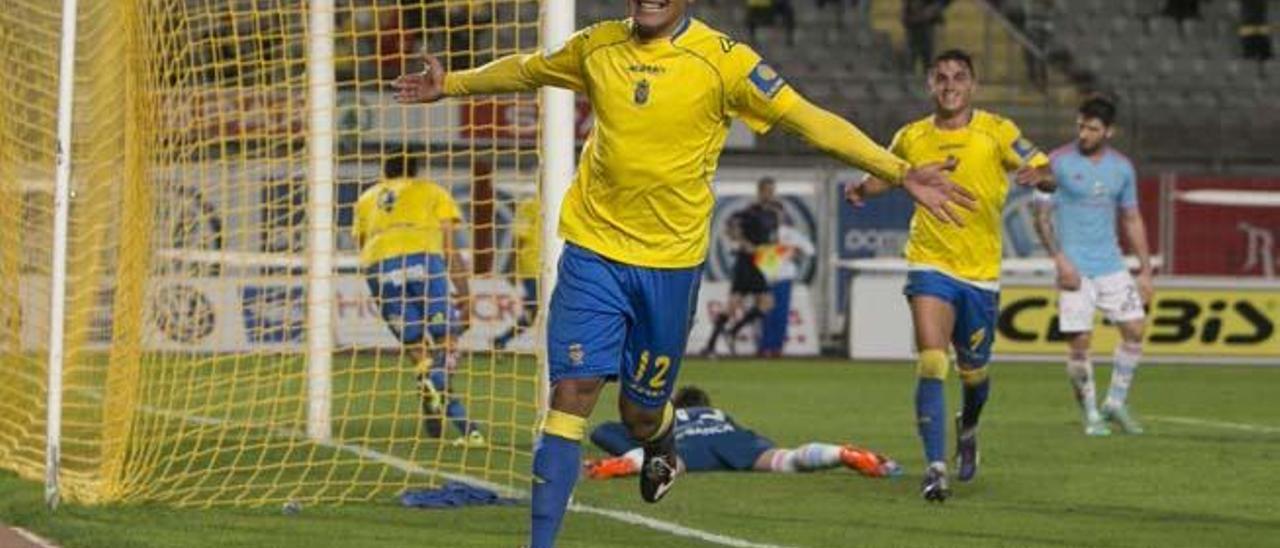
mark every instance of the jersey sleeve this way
{"type": "Point", "coordinates": [1017, 151]}
{"type": "Point", "coordinates": [898, 145]}
{"type": "Point", "coordinates": [757, 94]}
{"type": "Point", "coordinates": [557, 66]}
{"type": "Point", "coordinates": [1129, 190]}
{"type": "Point", "coordinates": [446, 209]}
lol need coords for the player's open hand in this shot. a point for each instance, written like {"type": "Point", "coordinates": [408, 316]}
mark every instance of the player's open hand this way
{"type": "Point", "coordinates": [855, 192]}
{"type": "Point", "coordinates": [1068, 276]}
{"type": "Point", "coordinates": [1146, 287]}
{"type": "Point", "coordinates": [422, 87]}
{"type": "Point", "coordinates": [1038, 177]}
{"type": "Point", "coordinates": [931, 187]}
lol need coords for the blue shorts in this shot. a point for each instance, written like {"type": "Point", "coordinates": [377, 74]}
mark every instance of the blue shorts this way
{"type": "Point", "coordinates": [412, 292]}
{"type": "Point", "coordinates": [975, 308]}
{"type": "Point", "coordinates": [616, 321]}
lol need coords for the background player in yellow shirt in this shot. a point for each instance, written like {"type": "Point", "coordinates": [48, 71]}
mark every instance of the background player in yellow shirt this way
{"type": "Point", "coordinates": [405, 229]}
{"type": "Point", "coordinates": [954, 275]}
{"type": "Point", "coordinates": [663, 88]}
{"type": "Point", "coordinates": [527, 233]}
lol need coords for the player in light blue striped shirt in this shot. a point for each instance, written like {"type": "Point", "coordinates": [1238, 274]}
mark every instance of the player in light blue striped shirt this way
{"type": "Point", "coordinates": [1095, 183]}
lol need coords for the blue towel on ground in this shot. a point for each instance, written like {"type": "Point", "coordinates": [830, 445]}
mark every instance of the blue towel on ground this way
{"type": "Point", "coordinates": [454, 494]}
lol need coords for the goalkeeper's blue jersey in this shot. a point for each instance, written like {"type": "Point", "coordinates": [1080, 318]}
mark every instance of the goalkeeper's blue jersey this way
{"type": "Point", "coordinates": [708, 439]}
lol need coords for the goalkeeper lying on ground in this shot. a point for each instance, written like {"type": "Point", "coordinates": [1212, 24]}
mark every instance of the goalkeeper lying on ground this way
{"type": "Point", "coordinates": [710, 440]}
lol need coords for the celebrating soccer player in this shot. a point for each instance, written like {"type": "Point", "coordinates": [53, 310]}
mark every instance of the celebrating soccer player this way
{"type": "Point", "coordinates": [710, 441]}
{"type": "Point", "coordinates": [953, 283]}
{"type": "Point", "coordinates": [404, 227]}
{"type": "Point", "coordinates": [663, 88]}
{"type": "Point", "coordinates": [1095, 181]}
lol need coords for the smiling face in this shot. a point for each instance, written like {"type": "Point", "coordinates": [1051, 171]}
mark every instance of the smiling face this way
{"type": "Point", "coordinates": [951, 83]}
{"type": "Point", "coordinates": [657, 18]}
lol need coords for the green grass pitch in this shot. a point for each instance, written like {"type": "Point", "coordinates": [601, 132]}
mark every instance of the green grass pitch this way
{"type": "Point", "coordinates": [1203, 475]}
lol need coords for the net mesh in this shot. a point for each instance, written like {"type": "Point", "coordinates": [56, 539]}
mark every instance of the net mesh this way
{"type": "Point", "coordinates": [186, 372]}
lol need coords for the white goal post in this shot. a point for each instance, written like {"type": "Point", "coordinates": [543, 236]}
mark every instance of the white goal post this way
{"type": "Point", "coordinates": [557, 146]}
{"type": "Point", "coordinates": [58, 270]}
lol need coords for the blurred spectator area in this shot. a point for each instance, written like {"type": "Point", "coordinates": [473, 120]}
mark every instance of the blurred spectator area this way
{"type": "Point", "coordinates": [1186, 92]}
{"type": "Point", "coordinates": [241, 41]}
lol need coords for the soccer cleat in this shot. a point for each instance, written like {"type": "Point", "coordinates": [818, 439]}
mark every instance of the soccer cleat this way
{"type": "Point", "coordinates": [966, 451]}
{"type": "Point", "coordinates": [432, 406]}
{"type": "Point", "coordinates": [614, 467]}
{"type": "Point", "coordinates": [659, 468]}
{"type": "Point", "coordinates": [1120, 416]}
{"type": "Point", "coordinates": [1096, 427]}
{"type": "Point", "coordinates": [473, 440]}
{"type": "Point", "coordinates": [869, 464]}
{"type": "Point", "coordinates": [935, 487]}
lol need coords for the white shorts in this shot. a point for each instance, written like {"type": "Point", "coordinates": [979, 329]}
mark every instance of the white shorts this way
{"type": "Point", "coordinates": [1116, 295]}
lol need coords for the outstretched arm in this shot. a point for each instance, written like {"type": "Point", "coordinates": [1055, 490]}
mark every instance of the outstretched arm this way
{"type": "Point", "coordinates": [837, 137]}
{"type": "Point", "coordinates": [513, 73]}
{"type": "Point", "coordinates": [928, 184]}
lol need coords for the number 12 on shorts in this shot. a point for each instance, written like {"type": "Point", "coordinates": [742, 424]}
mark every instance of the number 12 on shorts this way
{"type": "Point", "coordinates": [661, 365]}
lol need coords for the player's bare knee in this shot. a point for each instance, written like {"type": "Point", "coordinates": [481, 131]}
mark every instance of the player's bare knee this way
{"type": "Point", "coordinates": [1132, 333]}
{"type": "Point", "coordinates": [1079, 350]}
{"type": "Point", "coordinates": [933, 364]}
{"type": "Point", "coordinates": [576, 396]}
{"type": "Point", "coordinates": [1131, 347]}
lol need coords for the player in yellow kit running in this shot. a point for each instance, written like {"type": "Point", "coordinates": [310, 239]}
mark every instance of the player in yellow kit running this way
{"type": "Point", "coordinates": [954, 275]}
{"type": "Point", "coordinates": [405, 226]}
{"type": "Point", "coordinates": [663, 88]}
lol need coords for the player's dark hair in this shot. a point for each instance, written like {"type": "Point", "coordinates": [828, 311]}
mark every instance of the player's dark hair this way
{"type": "Point", "coordinates": [957, 55]}
{"type": "Point", "coordinates": [766, 180]}
{"type": "Point", "coordinates": [1099, 108]}
{"type": "Point", "coordinates": [691, 396]}
{"type": "Point", "coordinates": [400, 165]}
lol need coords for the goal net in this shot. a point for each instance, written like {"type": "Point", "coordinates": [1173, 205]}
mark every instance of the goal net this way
{"type": "Point", "coordinates": [194, 370]}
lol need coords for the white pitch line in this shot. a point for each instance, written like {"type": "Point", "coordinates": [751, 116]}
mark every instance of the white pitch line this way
{"type": "Point", "coordinates": [410, 467]}
{"type": "Point", "coordinates": [669, 527]}
{"type": "Point", "coordinates": [1245, 427]}
{"type": "Point", "coordinates": [33, 538]}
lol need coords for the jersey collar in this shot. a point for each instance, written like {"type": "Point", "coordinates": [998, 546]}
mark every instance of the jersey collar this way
{"type": "Point", "coordinates": [681, 28]}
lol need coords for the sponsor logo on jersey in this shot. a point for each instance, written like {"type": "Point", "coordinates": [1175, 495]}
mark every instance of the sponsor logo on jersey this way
{"type": "Point", "coordinates": [646, 69]}
{"type": "Point", "coordinates": [387, 199]}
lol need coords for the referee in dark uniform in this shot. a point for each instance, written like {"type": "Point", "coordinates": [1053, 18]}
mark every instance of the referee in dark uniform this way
{"type": "Point", "coordinates": [754, 226]}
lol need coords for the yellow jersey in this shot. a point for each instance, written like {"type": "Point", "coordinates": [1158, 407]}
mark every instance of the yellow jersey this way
{"type": "Point", "coordinates": [642, 194]}
{"type": "Point", "coordinates": [527, 229]}
{"type": "Point", "coordinates": [399, 217]}
{"type": "Point", "coordinates": [987, 149]}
